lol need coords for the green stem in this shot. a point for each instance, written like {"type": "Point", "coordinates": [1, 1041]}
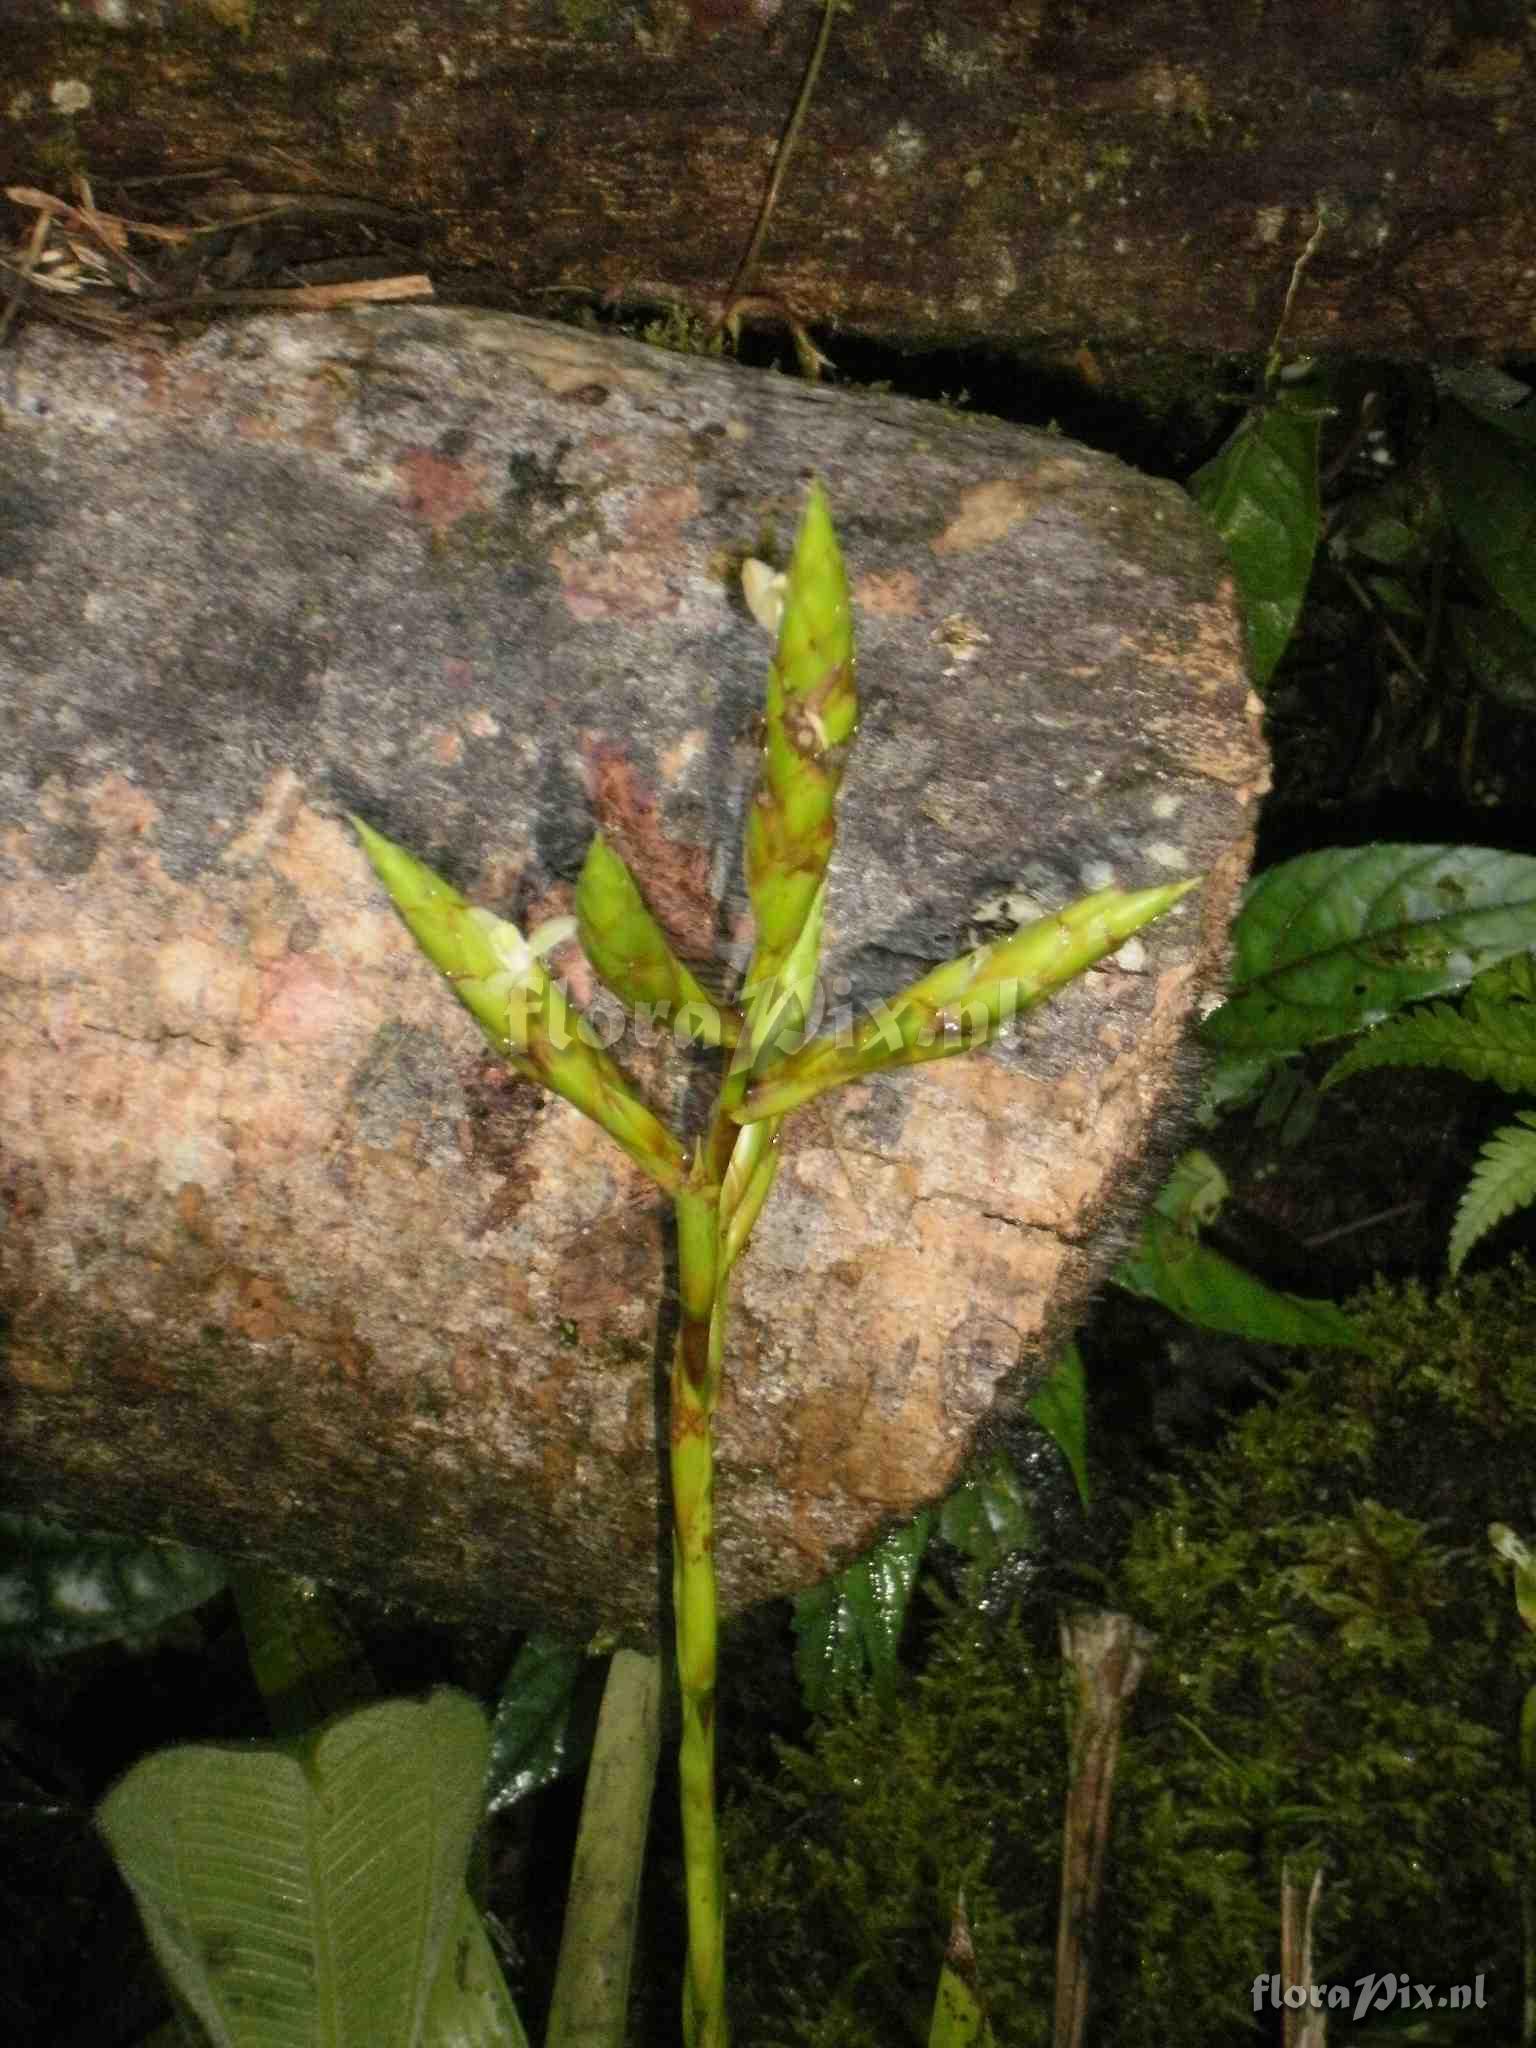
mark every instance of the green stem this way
{"type": "Point", "coordinates": [695, 1390]}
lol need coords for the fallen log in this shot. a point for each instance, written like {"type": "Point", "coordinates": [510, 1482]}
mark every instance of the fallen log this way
{"type": "Point", "coordinates": [1093, 189]}
{"type": "Point", "coordinates": [292, 1268]}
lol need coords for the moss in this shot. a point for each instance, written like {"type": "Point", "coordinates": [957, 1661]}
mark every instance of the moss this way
{"type": "Point", "coordinates": [590, 19]}
{"type": "Point", "coordinates": [1338, 1675]}
{"type": "Point", "coordinates": [846, 1868]}
{"type": "Point", "coordinates": [683, 333]}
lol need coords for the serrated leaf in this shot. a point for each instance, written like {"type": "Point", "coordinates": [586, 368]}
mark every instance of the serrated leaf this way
{"type": "Point", "coordinates": [305, 1900]}
{"type": "Point", "coordinates": [1207, 1289]}
{"type": "Point", "coordinates": [534, 1738]}
{"type": "Point", "coordinates": [848, 1629]}
{"type": "Point", "coordinates": [1061, 1409]}
{"type": "Point", "coordinates": [1487, 467]}
{"type": "Point", "coordinates": [988, 1515]}
{"type": "Point", "coordinates": [1260, 494]}
{"type": "Point", "coordinates": [1503, 1180]}
{"type": "Point", "coordinates": [1513, 980]}
{"type": "Point", "coordinates": [63, 1588]}
{"type": "Point", "coordinates": [1333, 942]}
{"type": "Point", "coordinates": [1485, 1041]}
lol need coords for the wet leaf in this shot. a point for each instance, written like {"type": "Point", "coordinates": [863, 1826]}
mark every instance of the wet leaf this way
{"type": "Point", "coordinates": [535, 1738]}
{"type": "Point", "coordinates": [988, 1517]}
{"type": "Point", "coordinates": [1260, 493]}
{"type": "Point", "coordinates": [848, 1630]}
{"type": "Point", "coordinates": [1061, 1409]}
{"type": "Point", "coordinates": [62, 1588]}
{"type": "Point", "coordinates": [1335, 941]}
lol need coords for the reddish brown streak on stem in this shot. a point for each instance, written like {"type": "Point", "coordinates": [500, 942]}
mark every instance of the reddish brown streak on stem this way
{"type": "Point", "coordinates": [688, 1422]}
{"type": "Point", "coordinates": [695, 1352]}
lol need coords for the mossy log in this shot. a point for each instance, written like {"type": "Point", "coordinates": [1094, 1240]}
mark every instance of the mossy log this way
{"type": "Point", "coordinates": [292, 1267]}
{"type": "Point", "coordinates": [996, 176]}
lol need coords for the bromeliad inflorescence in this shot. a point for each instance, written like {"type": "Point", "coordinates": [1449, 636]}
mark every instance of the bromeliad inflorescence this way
{"type": "Point", "coordinates": [719, 1184]}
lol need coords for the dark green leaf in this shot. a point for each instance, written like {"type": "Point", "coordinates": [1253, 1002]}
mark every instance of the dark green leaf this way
{"type": "Point", "coordinates": [1206, 1289]}
{"type": "Point", "coordinates": [1335, 941]}
{"type": "Point", "coordinates": [1231, 1081]}
{"type": "Point", "coordinates": [1289, 1106]}
{"type": "Point", "coordinates": [1487, 467]}
{"type": "Point", "coordinates": [987, 1516]}
{"type": "Point", "coordinates": [849, 1629]}
{"type": "Point", "coordinates": [1061, 1409]}
{"type": "Point", "coordinates": [63, 1588]}
{"type": "Point", "coordinates": [1499, 652]}
{"type": "Point", "coordinates": [1383, 537]}
{"type": "Point", "coordinates": [1396, 596]}
{"type": "Point", "coordinates": [1260, 494]}
{"type": "Point", "coordinates": [535, 1738]}
{"type": "Point", "coordinates": [307, 1662]}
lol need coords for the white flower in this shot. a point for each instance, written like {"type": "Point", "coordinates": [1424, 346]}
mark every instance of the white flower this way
{"type": "Point", "coordinates": [763, 588]}
{"type": "Point", "coordinates": [521, 958]}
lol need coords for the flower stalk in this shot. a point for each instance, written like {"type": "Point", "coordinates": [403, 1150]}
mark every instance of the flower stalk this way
{"type": "Point", "coordinates": [718, 1188]}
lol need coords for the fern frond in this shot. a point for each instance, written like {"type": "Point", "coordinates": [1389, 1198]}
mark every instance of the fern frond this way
{"type": "Point", "coordinates": [1513, 979]}
{"type": "Point", "coordinates": [1503, 1180]}
{"type": "Point", "coordinates": [1485, 1041]}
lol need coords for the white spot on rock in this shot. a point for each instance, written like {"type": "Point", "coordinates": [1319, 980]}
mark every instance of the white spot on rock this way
{"type": "Point", "coordinates": [1163, 855]}
{"type": "Point", "coordinates": [69, 95]}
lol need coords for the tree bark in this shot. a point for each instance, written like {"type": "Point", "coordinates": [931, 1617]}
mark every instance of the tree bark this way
{"type": "Point", "coordinates": [293, 1268]}
{"type": "Point", "coordinates": [1006, 174]}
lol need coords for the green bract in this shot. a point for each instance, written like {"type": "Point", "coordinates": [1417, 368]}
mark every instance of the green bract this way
{"type": "Point", "coordinates": [967, 1001]}
{"type": "Point", "coordinates": [630, 954]}
{"type": "Point", "coordinates": [809, 718]}
{"type": "Point", "coordinates": [499, 977]}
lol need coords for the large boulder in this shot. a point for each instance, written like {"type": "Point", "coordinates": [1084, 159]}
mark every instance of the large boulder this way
{"type": "Point", "coordinates": [291, 1266]}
